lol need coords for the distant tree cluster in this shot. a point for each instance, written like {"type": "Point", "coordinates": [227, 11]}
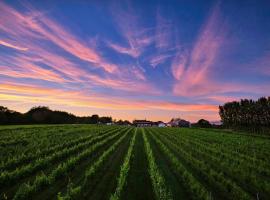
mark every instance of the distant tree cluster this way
{"type": "Point", "coordinates": [10, 117]}
{"type": "Point", "coordinates": [202, 123]}
{"type": "Point", "coordinates": [178, 122]}
{"type": "Point", "coordinates": [247, 114]}
{"type": "Point", "coordinates": [123, 122]}
{"type": "Point", "coordinates": [43, 115]}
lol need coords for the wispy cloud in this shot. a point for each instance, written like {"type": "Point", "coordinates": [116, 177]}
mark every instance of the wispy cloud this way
{"type": "Point", "coordinates": [23, 66]}
{"type": "Point", "coordinates": [28, 67]}
{"type": "Point", "coordinates": [129, 26]}
{"type": "Point", "coordinates": [220, 99]}
{"type": "Point", "coordinates": [32, 72]}
{"type": "Point", "coordinates": [124, 50]}
{"type": "Point", "coordinates": [193, 72]}
{"type": "Point", "coordinates": [163, 32]}
{"type": "Point", "coordinates": [34, 24]}
{"type": "Point", "coordinates": [159, 59]}
{"type": "Point", "coordinates": [36, 29]}
{"type": "Point", "coordinates": [178, 65]}
{"type": "Point", "coordinates": [138, 72]}
{"type": "Point", "coordinates": [12, 46]}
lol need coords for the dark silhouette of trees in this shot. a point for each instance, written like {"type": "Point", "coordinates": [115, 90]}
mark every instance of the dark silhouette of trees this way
{"type": "Point", "coordinates": [39, 115]}
{"type": "Point", "coordinates": [3, 115]}
{"type": "Point", "coordinates": [202, 123]}
{"type": "Point", "coordinates": [178, 122]}
{"type": "Point", "coordinates": [10, 117]}
{"type": "Point", "coordinates": [247, 114]}
{"type": "Point", "coordinates": [43, 115]}
{"type": "Point", "coordinates": [105, 120]}
{"type": "Point", "coordinates": [123, 122]}
{"type": "Point", "coordinates": [94, 119]}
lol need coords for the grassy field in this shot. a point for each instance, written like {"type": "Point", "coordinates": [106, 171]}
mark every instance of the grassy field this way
{"type": "Point", "coordinates": [112, 162]}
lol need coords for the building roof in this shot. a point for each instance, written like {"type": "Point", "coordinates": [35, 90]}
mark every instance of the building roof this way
{"type": "Point", "coordinates": [142, 122]}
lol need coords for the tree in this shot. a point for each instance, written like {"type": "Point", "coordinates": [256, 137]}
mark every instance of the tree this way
{"type": "Point", "coordinates": [121, 122]}
{"type": "Point", "coordinates": [203, 123]}
{"type": "Point", "coordinates": [3, 115]}
{"type": "Point", "coordinates": [94, 119]}
{"type": "Point", "coordinates": [44, 115]}
{"type": "Point", "coordinates": [10, 117]}
{"type": "Point", "coordinates": [247, 114]}
{"type": "Point", "coordinates": [40, 115]}
{"type": "Point", "coordinates": [105, 120]}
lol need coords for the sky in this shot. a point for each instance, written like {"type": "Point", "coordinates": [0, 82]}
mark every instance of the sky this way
{"type": "Point", "coordinates": [134, 59]}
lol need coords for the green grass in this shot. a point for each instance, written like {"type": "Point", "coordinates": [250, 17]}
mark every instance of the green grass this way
{"type": "Point", "coordinates": [103, 162]}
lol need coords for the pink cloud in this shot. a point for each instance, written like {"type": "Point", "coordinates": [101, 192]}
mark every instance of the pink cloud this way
{"type": "Point", "coordinates": [138, 73]}
{"type": "Point", "coordinates": [27, 67]}
{"type": "Point", "coordinates": [137, 36]}
{"type": "Point", "coordinates": [35, 24]}
{"type": "Point", "coordinates": [124, 50]}
{"type": "Point", "coordinates": [178, 66]}
{"type": "Point", "coordinates": [33, 72]}
{"type": "Point", "coordinates": [22, 66]}
{"type": "Point", "coordinates": [223, 99]}
{"type": "Point", "coordinates": [196, 78]}
{"type": "Point", "coordinates": [159, 59]}
{"type": "Point", "coordinates": [32, 27]}
{"type": "Point", "coordinates": [163, 32]}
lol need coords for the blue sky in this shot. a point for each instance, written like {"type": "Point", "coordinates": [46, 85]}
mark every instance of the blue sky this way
{"type": "Point", "coordinates": [132, 59]}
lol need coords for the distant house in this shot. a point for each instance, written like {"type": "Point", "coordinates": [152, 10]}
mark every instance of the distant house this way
{"type": "Point", "coordinates": [178, 122]}
{"type": "Point", "coordinates": [142, 123]}
{"type": "Point", "coordinates": [161, 124]}
{"type": "Point", "coordinates": [169, 124]}
{"type": "Point", "coordinates": [158, 124]}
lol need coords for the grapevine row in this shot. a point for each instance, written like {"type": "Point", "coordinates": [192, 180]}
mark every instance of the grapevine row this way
{"type": "Point", "coordinates": [215, 179]}
{"type": "Point", "coordinates": [26, 190]}
{"type": "Point", "coordinates": [191, 183]}
{"type": "Point", "coordinates": [73, 192]}
{"type": "Point", "coordinates": [124, 170]}
{"type": "Point", "coordinates": [252, 164]}
{"type": "Point", "coordinates": [221, 163]}
{"type": "Point", "coordinates": [23, 159]}
{"type": "Point", "coordinates": [160, 188]}
{"type": "Point", "coordinates": [7, 178]}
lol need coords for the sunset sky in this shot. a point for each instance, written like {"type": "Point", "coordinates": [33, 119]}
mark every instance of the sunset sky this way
{"type": "Point", "coordinates": [132, 59]}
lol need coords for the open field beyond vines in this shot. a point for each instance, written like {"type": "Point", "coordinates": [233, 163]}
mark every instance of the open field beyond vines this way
{"type": "Point", "coordinates": [113, 162]}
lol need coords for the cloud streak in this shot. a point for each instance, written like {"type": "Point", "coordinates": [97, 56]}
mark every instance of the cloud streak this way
{"type": "Point", "coordinates": [12, 46]}
{"type": "Point", "coordinates": [35, 24]}
{"type": "Point", "coordinates": [136, 35]}
{"type": "Point", "coordinates": [33, 27]}
{"type": "Point", "coordinates": [124, 50]}
{"type": "Point", "coordinates": [193, 71]}
{"type": "Point", "coordinates": [163, 32]}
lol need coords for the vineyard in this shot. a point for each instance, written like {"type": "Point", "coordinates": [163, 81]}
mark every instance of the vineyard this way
{"type": "Point", "coordinates": [116, 162]}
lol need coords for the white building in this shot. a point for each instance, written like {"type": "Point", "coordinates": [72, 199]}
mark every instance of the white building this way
{"type": "Point", "coordinates": [161, 124]}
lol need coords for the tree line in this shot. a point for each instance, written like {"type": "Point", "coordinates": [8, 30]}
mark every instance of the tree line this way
{"type": "Point", "coordinates": [44, 115]}
{"type": "Point", "coordinates": [247, 114]}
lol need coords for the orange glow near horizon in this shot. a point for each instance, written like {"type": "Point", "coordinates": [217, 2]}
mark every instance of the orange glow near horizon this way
{"type": "Point", "coordinates": [33, 96]}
